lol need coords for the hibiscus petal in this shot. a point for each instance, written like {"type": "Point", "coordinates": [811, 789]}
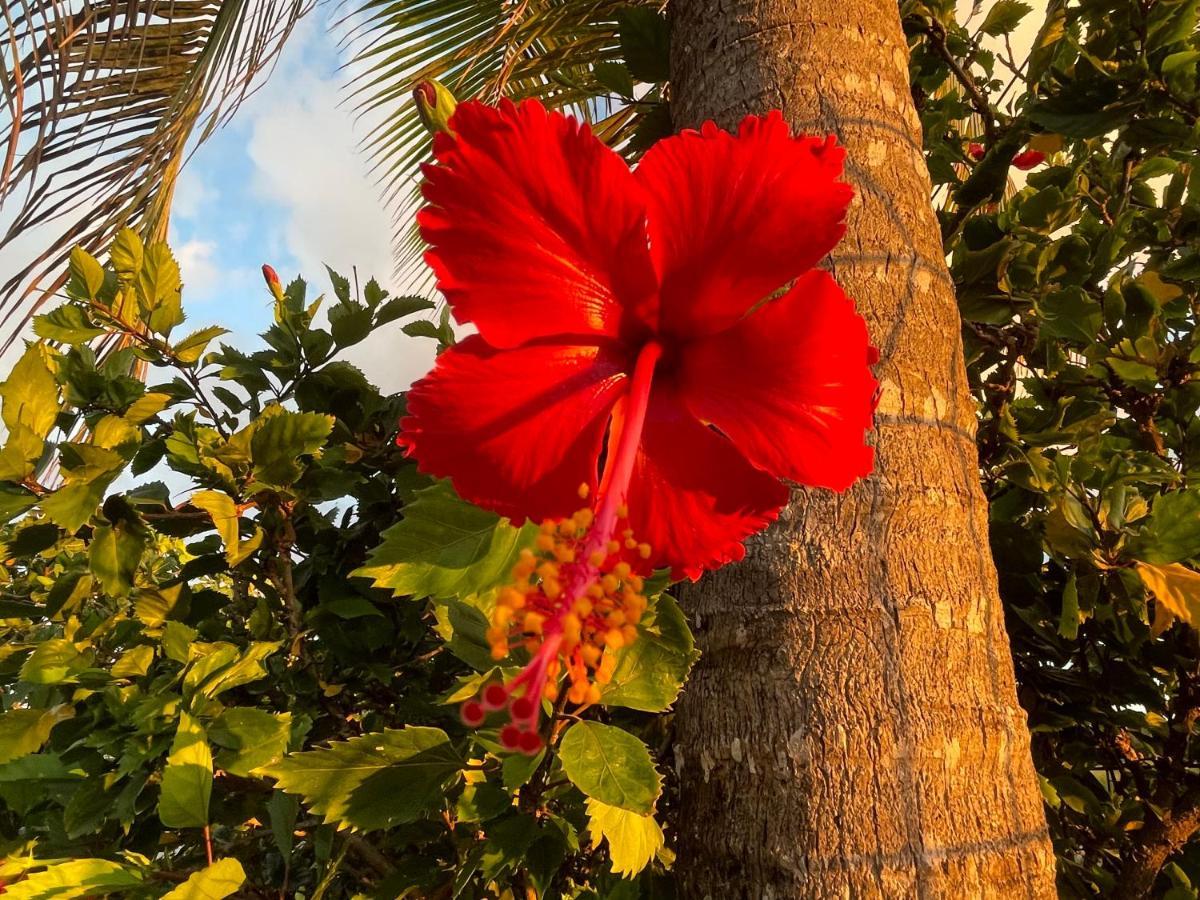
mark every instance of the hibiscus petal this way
{"type": "Point", "coordinates": [536, 228]}
{"type": "Point", "coordinates": [693, 497]}
{"type": "Point", "coordinates": [790, 385]}
{"type": "Point", "coordinates": [519, 430]}
{"type": "Point", "coordinates": [734, 219]}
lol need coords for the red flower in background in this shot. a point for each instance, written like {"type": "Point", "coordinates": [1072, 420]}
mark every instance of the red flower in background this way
{"type": "Point", "coordinates": [624, 315]}
{"type": "Point", "coordinates": [1028, 159]}
{"type": "Point", "coordinates": [976, 151]}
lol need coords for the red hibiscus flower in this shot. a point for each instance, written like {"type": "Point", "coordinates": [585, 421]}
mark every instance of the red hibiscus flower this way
{"type": "Point", "coordinates": [1028, 159]}
{"type": "Point", "coordinates": [634, 334]}
{"type": "Point", "coordinates": [976, 151]}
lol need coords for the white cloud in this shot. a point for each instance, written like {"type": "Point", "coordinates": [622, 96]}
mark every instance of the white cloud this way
{"type": "Point", "coordinates": [200, 273]}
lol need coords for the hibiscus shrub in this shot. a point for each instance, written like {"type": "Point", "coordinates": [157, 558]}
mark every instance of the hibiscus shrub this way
{"type": "Point", "coordinates": [257, 689]}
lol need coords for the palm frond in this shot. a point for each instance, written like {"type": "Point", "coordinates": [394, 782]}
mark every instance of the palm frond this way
{"type": "Point", "coordinates": [486, 49]}
{"type": "Point", "coordinates": [101, 98]}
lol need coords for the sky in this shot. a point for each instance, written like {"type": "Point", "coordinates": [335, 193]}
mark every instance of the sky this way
{"type": "Point", "coordinates": [285, 184]}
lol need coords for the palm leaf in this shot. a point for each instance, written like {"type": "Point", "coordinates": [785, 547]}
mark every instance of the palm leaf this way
{"type": "Point", "coordinates": [101, 98]}
{"type": "Point", "coordinates": [478, 48]}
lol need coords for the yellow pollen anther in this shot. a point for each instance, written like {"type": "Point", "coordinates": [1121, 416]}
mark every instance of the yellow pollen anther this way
{"type": "Point", "coordinates": [614, 638]}
{"type": "Point", "coordinates": [597, 558]}
{"type": "Point", "coordinates": [545, 542]}
{"type": "Point", "coordinates": [630, 543]}
{"type": "Point", "coordinates": [584, 490]}
{"type": "Point", "coordinates": [622, 570]}
{"type": "Point", "coordinates": [622, 511]}
{"type": "Point", "coordinates": [643, 551]}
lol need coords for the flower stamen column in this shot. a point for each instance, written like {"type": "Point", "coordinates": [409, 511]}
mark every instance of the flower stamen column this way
{"type": "Point", "coordinates": [576, 600]}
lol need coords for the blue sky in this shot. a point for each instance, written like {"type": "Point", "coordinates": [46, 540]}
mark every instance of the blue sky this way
{"type": "Point", "coordinates": [284, 183]}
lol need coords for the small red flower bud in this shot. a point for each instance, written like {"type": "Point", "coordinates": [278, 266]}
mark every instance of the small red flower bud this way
{"type": "Point", "coordinates": [273, 283]}
{"type": "Point", "coordinates": [1028, 159]}
{"type": "Point", "coordinates": [976, 151]}
{"type": "Point", "coordinates": [494, 696]}
{"type": "Point", "coordinates": [472, 713]}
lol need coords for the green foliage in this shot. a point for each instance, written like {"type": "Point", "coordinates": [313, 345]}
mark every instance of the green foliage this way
{"type": "Point", "coordinates": [1078, 288]}
{"type": "Point", "coordinates": [445, 547]}
{"type": "Point", "coordinates": [226, 661]}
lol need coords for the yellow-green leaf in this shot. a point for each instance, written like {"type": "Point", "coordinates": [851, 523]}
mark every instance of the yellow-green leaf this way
{"type": "Point", "coordinates": [633, 839]}
{"type": "Point", "coordinates": [215, 882]}
{"type": "Point", "coordinates": [187, 779]}
{"type": "Point", "coordinates": [224, 514]}
{"type": "Point", "coordinates": [159, 287]}
{"type": "Point", "coordinates": [1176, 589]}
{"type": "Point", "coordinates": [192, 347]}
{"type": "Point", "coordinates": [126, 253]}
{"type": "Point", "coordinates": [30, 394]}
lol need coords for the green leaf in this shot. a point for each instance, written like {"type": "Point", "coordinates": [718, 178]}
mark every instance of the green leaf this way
{"type": "Point", "coordinates": [1070, 314]}
{"type": "Point", "coordinates": [53, 661]}
{"type": "Point", "coordinates": [224, 514]}
{"type": "Point", "coordinates": [192, 347]}
{"type": "Point", "coordinates": [282, 437]}
{"type": "Point", "coordinates": [1068, 622]}
{"type": "Point", "coordinates": [1172, 532]}
{"type": "Point", "coordinates": [30, 394]}
{"type": "Point", "coordinates": [610, 765]}
{"type": "Point", "coordinates": [214, 882]}
{"type": "Point", "coordinates": [188, 777]}
{"type": "Point", "coordinates": [615, 77]}
{"type": "Point", "coordinates": [134, 662]}
{"type": "Point", "coordinates": [114, 555]}
{"type": "Point", "coordinates": [373, 781]}
{"type": "Point", "coordinates": [1004, 16]}
{"type": "Point", "coordinates": [252, 738]}
{"type": "Point", "coordinates": [651, 671]}
{"type": "Point", "coordinates": [633, 840]}
{"type": "Point", "coordinates": [645, 43]}
{"type": "Point", "coordinates": [75, 878]}
{"type": "Point", "coordinates": [349, 323]}
{"type": "Point", "coordinates": [159, 285]}
{"type": "Point", "coordinates": [126, 253]}
{"type": "Point", "coordinates": [87, 275]}
{"type": "Point", "coordinates": [221, 666]}
{"type": "Point", "coordinates": [69, 324]}
{"type": "Point", "coordinates": [445, 547]}
{"type": "Point", "coordinates": [24, 731]}
{"type": "Point", "coordinates": [399, 307]}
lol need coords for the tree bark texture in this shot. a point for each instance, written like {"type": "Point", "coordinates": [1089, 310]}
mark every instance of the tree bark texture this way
{"type": "Point", "coordinates": [852, 729]}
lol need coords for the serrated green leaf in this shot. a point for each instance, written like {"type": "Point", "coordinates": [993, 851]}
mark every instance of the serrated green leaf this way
{"type": "Point", "coordinates": [69, 324]}
{"type": "Point", "coordinates": [610, 765]}
{"type": "Point", "coordinates": [114, 554]}
{"type": "Point", "coordinates": [25, 731]}
{"type": "Point", "coordinates": [651, 671]}
{"type": "Point", "coordinates": [224, 514]}
{"type": "Point", "coordinates": [53, 661]}
{"type": "Point", "coordinates": [1172, 531]}
{"type": "Point", "coordinates": [126, 253]}
{"type": "Point", "coordinates": [87, 275]}
{"type": "Point", "coordinates": [251, 738]}
{"type": "Point", "coordinates": [214, 882]}
{"type": "Point", "coordinates": [398, 307]}
{"type": "Point", "coordinates": [281, 439]}
{"type": "Point", "coordinates": [192, 347]}
{"type": "Point", "coordinates": [159, 285]}
{"type": "Point", "coordinates": [373, 781]}
{"type": "Point", "coordinates": [74, 878]}
{"type": "Point", "coordinates": [633, 839]}
{"type": "Point", "coordinates": [134, 662]}
{"type": "Point", "coordinates": [30, 393]}
{"type": "Point", "coordinates": [645, 43]}
{"type": "Point", "coordinates": [445, 547]}
{"type": "Point", "coordinates": [1004, 16]}
{"type": "Point", "coordinates": [187, 778]}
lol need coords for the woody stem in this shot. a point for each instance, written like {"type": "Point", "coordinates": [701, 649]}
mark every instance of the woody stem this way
{"type": "Point", "coordinates": [620, 467]}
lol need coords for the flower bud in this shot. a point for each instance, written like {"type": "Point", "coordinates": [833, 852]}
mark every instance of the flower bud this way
{"type": "Point", "coordinates": [976, 151]}
{"type": "Point", "coordinates": [273, 283]}
{"type": "Point", "coordinates": [1028, 159]}
{"type": "Point", "coordinates": [435, 105]}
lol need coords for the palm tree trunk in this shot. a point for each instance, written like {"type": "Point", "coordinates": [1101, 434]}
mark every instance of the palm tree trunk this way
{"type": "Point", "coordinates": [852, 729]}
